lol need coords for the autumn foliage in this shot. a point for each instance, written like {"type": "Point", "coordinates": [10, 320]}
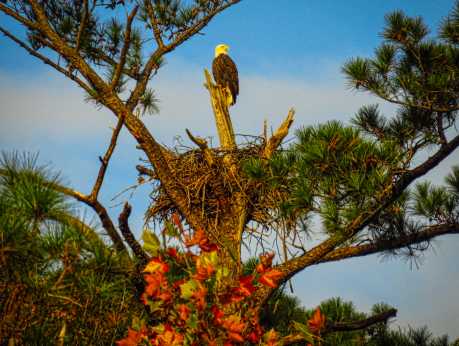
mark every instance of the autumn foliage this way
{"type": "Point", "coordinates": [192, 299]}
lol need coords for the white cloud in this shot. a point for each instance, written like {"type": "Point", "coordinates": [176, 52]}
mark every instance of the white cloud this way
{"type": "Point", "coordinates": [48, 113]}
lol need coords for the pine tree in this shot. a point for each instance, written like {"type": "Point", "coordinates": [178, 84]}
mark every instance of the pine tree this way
{"type": "Point", "coordinates": [355, 179]}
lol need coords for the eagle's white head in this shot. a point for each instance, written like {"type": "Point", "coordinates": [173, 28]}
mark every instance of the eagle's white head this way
{"type": "Point", "coordinates": [221, 49]}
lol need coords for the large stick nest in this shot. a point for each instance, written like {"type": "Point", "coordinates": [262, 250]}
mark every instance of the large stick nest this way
{"type": "Point", "coordinates": [210, 188]}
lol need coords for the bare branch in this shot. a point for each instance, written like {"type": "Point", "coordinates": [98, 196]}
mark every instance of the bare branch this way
{"type": "Point", "coordinates": [128, 236]}
{"type": "Point", "coordinates": [24, 21]}
{"type": "Point", "coordinates": [427, 234]}
{"type": "Point", "coordinates": [127, 43]}
{"type": "Point", "coordinates": [278, 136]}
{"type": "Point", "coordinates": [362, 324]}
{"type": "Point", "coordinates": [46, 60]}
{"type": "Point", "coordinates": [84, 20]}
{"type": "Point", "coordinates": [105, 219]}
{"type": "Point", "coordinates": [202, 144]}
{"type": "Point", "coordinates": [154, 24]}
{"type": "Point", "coordinates": [104, 161]}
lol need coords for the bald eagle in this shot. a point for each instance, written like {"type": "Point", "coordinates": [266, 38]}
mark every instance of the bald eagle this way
{"type": "Point", "coordinates": [225, 73]}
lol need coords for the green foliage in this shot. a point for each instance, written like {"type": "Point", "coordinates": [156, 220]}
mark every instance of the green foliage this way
{"type": "Point", "coordinates": [438, 203]}
{"type": "Point", "coordinates": [332, 170]}
{"type": "Point", "coordinates": [415, 71]}
{"type": "Point", "coordinates": [283, 308]}
{"type": "Point", "coordinates": [51, 273]}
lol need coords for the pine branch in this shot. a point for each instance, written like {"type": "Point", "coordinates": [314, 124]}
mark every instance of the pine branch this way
{"type": "Point", "coordinates": [88, 232]}
{"type": "Point", "coordinates": [154, 24]}
{"type": "Point", "coordinates": [344, 326]}
{"type": "Point", "coordinates": [426, 234]}
{"type": "Point", "coordinates": [83, 22]}
{"type": "Point", "coordinates": [24, 21]}
{"type": "Point", "coordinates": [95, 205]}
{"type": "Point", "coordinates": [110, 99]}
{"type": "Point", "coordinates": [317, 253]}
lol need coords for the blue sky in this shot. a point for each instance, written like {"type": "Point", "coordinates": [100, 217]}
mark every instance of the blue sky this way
{"type": "Point", "coordinates": [289, 53]}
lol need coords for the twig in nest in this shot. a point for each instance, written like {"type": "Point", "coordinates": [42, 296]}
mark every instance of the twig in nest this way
{"type": "Point", "coordinates": [202, 144]}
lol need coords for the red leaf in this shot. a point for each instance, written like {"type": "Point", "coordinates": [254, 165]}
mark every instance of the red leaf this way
{"type": "Point", "coordinates": [245, 289]}
{"type": "Point", "coordinates": [218, 314]}
{"type": "Point", "coordinates": [172, 251]}
{"type": "Point", "coordinates": [233, 324]}
{"type": "Point", "coordinates": [154, 283]}
{"type": "Point", "coordinates": [184, 312]}
{"type": "Point", "coordinates": [235, 337]}
{"type": "Point", "coordinates": [200, 238]}
{"type": "Point", "coordinates": [177, 222]}
{"type": "Point", "coordinates": [269, 278]}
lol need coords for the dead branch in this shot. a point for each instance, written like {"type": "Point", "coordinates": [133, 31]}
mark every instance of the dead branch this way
{"type": "Point", "coordinates": [128, 236]}
{"type": "Point", "coordinates": [221, 113]}
{"type": "Point", "coordinates": [127, 43]}
{"type": "Point", "coordinates": [146, 171]}
{"type": "Point", "coordinates": [278, 136]}
{"type": "Point", "coordinates": [104, 160]}
{"type": "Point", "coordinates": [202, 144]}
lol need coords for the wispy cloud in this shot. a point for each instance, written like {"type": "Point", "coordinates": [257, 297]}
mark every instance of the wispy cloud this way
{"type": "Point", "coordinates": [47, 113]}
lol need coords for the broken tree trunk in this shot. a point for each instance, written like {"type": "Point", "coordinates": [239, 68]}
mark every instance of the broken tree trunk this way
{"type": "Point", "coordinates": [221, 112]}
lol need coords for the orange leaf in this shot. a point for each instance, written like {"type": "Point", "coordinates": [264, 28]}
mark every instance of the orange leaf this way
{"type": "Point", "coordinates": [200, 238]}
{"type": "Point", "coordinates": [133, 338]}
{"type": "Point", "coordinates": [269, 278]}
{"type": "Point", "coordinates": [317, 321]}
{"type": "Point", "coordinates": [156, 265]}
{"type": "Point", "coordinates": [203, 270]}
{"type": "Point", "coordinates": [233, 324]}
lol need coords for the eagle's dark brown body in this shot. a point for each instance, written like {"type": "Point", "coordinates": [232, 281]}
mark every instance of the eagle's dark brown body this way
{"type": "Point", "coordinates": [225, 74]}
